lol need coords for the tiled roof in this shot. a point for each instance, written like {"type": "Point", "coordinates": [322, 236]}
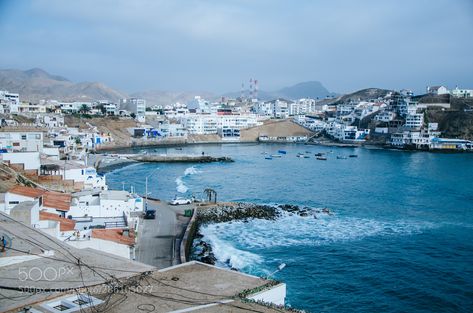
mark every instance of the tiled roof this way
{"type": "Point", "coordinates": [27, 191]}
{"type": "Point", "coordinates": [57, 200]}
{"type": "Point", "coordinates": [115, 235]}
{"type": "Point", "coordinates": [65, 224]}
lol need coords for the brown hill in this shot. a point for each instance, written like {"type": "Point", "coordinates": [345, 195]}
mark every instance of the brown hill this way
{"type": "Point", "coordinates": [36, 84]}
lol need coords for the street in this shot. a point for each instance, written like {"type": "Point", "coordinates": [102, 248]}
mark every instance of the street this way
{"type": "Point", "coordinates": [156, 238]}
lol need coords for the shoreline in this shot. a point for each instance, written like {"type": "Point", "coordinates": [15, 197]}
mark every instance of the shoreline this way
{"type": "Point", "coordinates": [195, 248]}
{"type": "Point", "coordinates": [365, 145]}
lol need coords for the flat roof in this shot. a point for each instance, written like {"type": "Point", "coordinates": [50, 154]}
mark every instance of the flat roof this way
{"type": "Point", "coordinates": [115, 195]}
{"type": "Point", "coordinates": [29, 249]}
{"type": "Point", "coordinates": [191, 286]}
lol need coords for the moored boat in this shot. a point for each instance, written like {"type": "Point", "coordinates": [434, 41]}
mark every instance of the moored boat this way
{"type": "Point", "coordinates": [321, 158]}
{"type": "Point", "coordinates": [353, 155]}
{"type": "Point", "coordinates": [282, 151]}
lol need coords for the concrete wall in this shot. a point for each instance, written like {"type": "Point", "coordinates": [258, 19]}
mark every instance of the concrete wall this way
{"type": "Point", "coordinates": [10, 197]}
{"type": "Point", "coordinates": [275, 295]}
{"type": "Point", "coordinates": [29, 159]}
{"type": "Point", "coordinates": [27, 217]}
{"type": "Point", "coordinates": [102, 245]}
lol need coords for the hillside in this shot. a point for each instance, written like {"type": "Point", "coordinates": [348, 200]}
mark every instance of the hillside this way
{"type": "Point", "coordinates": [36, 84]}
{"type": "Point", "coordinates": [363, 94]}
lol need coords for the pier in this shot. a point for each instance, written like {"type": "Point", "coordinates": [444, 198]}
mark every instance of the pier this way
{"type": "Point", "coordinates": [108, 162]}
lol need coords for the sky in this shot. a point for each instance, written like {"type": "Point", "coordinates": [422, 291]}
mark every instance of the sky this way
{"type": "Point", "coordinates": [213, 45]}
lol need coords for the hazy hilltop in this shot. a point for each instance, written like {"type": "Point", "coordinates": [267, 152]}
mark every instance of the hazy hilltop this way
{"type": "Point", "coordinates": [36, 84]}
{"type": "Point", "coordinates": [162, 97]}
{"type": "Point", "coordinates": [310, 89]}
{"type": "Point", "coordinates": [360, 95]}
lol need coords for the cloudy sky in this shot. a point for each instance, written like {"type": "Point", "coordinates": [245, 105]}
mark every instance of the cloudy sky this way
{"type": "Point", "coordinates": [216, 45]}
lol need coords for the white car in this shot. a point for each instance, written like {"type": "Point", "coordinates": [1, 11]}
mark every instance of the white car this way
{"type": "Point", "coordinates": [180, 201]}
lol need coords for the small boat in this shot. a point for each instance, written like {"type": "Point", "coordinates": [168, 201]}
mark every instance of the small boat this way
{"type": "Point", "coordinates": [268, 158]}
{"type": "Point", "coordinates": [319, 154]}
{"type": "Point", "coordinates": [300, 155]}
{"type": "Point", "coordinates": [353, 156]}
{"type": "Point", "coordinates": [275, 155]}
{"type": "Point", "coordinates": [306, 156]}
{"type": "Point", "coordinates": [178, 148]}
{"type": "Point", "coordinates": [321, 158]}
{"type": "Point", "coordinates": [341, 157]}
{"type": "Point", "coordinates": [282, 151]}
{"type": "Point", "coordinates": [264, 153]}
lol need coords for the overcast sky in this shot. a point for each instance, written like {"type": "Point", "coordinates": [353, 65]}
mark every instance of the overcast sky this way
{"type": "Point", "coordinates": [216, 45]}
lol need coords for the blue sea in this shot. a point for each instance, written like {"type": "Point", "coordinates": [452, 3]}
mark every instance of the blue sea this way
{"type": "Point", "coordinates": [400, 238]}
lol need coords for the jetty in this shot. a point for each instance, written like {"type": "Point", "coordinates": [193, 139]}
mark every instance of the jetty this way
{"type": "Point", "coordinates": [108, 162]}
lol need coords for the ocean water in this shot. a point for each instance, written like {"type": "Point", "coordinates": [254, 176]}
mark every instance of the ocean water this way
{"type": "Point", "coordinates": [400, 238]}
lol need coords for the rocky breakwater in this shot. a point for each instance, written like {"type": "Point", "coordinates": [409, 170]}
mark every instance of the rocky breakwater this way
{"type": "Point", "coordinates": [221, 213]}
{"type": "Point", "coordinates": [178, 158]}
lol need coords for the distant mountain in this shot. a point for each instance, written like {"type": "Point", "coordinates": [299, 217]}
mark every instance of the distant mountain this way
{"type": "Point", "coordinates": [161, 97]}
{"type": "Point", "coordinates": [36, 84]}
{"type": "Point", "coordinates": [311, 89]}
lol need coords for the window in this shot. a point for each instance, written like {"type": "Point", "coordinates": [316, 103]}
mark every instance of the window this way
{"type": "Point", "coordinates": [23, 137]}
{"type": "Point", "coordinates": [14, 202]}
{"type": "Point", "coordinates": [61, 307]}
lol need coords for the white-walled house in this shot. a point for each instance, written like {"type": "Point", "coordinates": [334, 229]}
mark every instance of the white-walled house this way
{"type": "Point", "coordinates": [21, 141]}
{"type": "Point", "coordinates": [437, 90]}
{"type": "Point", "coordinates": [72, 170]}
{"type": "Point", "coordinates": [117, 241]}
{"type": "Point", "coordinates": [29, 160]}
{"type": "Point", "coordinates": [50, 201]}
{"type": "Point", "coordinates": [105, 203]}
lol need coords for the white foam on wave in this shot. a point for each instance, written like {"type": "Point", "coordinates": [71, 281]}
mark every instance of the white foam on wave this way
{"type": "Point", "coordinates": [225, 253]}
{"type": "Point", "coordinates": [191, 171]}
{"type": "Point", "coordinates": [181, 187]}
{"type": "Point", "coordinates": [295, 230]}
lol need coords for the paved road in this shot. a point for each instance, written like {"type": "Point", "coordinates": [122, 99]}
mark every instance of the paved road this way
{"type": "Point", "coordinates": [156, 239]}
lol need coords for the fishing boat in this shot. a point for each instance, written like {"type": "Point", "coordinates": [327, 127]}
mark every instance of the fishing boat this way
{"type": "Point", "coordinates": [321, 158]}
{"type": "Point", "coordinates": [353, 156]}
{"type": "Point", "coordinates": [282, 151]}
{"type": "Point", "coordinates": [275, 155]}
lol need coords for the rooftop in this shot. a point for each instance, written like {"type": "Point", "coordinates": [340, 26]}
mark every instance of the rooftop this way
{"type": "Point", "coordinates": [115, 235]}
{"type": "Point", "coordinates": [29, 248]}
{"type": "Point", "coordinates": [65, 224]}
{"type": "Point", "coordinates": [27, 191]}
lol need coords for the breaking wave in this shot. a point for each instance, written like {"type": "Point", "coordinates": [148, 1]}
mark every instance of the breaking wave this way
{"type": "Point", "coordinates": [294, 230]}
{"type": "Point", "coordinates": [180, 185]}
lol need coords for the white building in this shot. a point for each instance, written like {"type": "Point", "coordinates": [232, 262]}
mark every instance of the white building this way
{"type": "Point", "coordinates": [199, 105]}
{"type": "Point", "coordinates": [74, 107]}
{"type": "Point", "coordinates": [437, 90]}
{"type": "Point", "coordinates": [21, 141]}
{"type": "Point", "coordinates": [385, 116]}
{"type": "Point", "coordinates": [9, 102]}
{"type": "Point", "coordinates": [206, 124]}
{"type": "Point", "coordinates": [136, 106]}
{"type": "Point", "coordinates": [462, 93]}
{"type": "Point", "coordinates": [415, 120]}
{"type": "Point", "coordinates": [105, 203]}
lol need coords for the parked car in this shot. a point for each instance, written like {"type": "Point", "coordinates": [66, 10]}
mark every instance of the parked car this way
{"type": "Point", "coordinates": [150, 214]}
{"type": "Point", "coordinates": [180, 201]}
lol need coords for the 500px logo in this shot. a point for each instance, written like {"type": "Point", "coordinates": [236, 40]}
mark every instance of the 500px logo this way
{"type": "Point", "coordinates": [47, 273]}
